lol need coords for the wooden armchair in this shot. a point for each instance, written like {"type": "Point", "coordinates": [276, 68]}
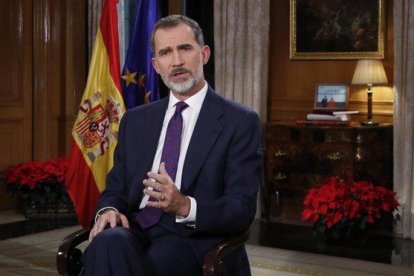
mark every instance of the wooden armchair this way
{"type": "Point", "coordinates": [68, 258]}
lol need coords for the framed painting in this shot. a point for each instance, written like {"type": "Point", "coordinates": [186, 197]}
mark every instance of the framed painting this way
{"type": "Point", "coordinates": [341, 29]}
{"type": "Point", "coordinates": [331, 97]}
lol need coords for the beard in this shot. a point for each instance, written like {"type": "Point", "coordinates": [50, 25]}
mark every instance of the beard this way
{"type": "Point", "coordinates": [183, 87]}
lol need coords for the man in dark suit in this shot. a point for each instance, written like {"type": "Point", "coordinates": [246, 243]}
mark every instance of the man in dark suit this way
{"type": "Point", "coordinates": [208, 193]}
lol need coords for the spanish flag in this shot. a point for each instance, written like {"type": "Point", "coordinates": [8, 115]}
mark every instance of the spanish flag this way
{"type": "Point", "coordinates": [95, 132]}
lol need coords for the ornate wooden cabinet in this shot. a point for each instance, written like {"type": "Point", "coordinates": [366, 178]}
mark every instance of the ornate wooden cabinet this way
{"type": "Point", "coordinates": [299, 157]}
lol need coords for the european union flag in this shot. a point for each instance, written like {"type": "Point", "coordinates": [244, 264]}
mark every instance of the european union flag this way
{"type": "Point", "coordinates": [139, 79]}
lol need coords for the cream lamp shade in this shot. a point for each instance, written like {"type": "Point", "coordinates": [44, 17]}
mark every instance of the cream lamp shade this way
{"type": "Point", "coordinates": [369, 72]}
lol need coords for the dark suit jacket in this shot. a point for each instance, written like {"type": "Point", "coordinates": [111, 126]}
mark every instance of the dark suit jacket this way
{"type": "Point", "coordinates": [222, 168]}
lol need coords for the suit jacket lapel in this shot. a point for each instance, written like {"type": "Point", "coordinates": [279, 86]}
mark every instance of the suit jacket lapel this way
{"type": "Point", "coordinates": [147, 145]}
{"type": "Point", "coordinates": [206, 132]}
{"type": "Point", "coordinates": [154, 118]}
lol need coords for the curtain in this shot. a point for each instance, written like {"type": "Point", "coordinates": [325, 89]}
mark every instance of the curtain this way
{"type": "Point", "coordinates": [94, 13]}
{"type": "Point", "coordinates": [241, 46]}
{"type": "Point", "coordinates": [241, 41]}
{"type": "Point", "coordinates": [404, 114]}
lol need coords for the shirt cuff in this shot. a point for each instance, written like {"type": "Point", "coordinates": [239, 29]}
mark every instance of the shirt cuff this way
{"type": "Point", "coordinates": [101, 211]}
{"type": "Point", "coordinates": [191, 215]}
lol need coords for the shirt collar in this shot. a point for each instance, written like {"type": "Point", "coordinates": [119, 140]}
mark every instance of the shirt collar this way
{"type": "Point", "coordinates": [195, 101]}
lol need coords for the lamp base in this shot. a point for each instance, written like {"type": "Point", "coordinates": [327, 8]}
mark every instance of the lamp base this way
{"type": "Point", "coordinates": [369, 123]}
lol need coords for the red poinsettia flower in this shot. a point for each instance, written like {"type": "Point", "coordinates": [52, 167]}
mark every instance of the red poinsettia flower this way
{"type": "Point", "coordinates": [338, 202]}
{"type": "Point", "coordinates": [40, 188]}
{"type": "Point", "coordinates": [34, 172]}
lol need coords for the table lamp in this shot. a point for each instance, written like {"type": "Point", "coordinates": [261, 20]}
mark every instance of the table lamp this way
{"type": "Point", "coordinates": [369, 72]}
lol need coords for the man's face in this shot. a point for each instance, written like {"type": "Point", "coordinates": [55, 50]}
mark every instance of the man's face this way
{"type": "Point", "coordinates": [179, 59]}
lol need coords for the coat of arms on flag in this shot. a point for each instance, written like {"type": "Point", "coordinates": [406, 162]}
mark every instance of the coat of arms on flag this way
{"type": "Point", "coordinates": [97, 124]}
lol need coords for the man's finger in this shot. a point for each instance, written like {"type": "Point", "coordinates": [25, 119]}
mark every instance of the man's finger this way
{"type": "Point", "coordinates": [156, 204]}
{"type": "Point", "coordinates": [162, 173]}
{"type": "Point", "coordinates": [96, 229]}
{"type": "Point", "coordinates": [152, 193]}
{"type": "Point", "coordinates": [91, 235]}
{"type": "Point", "coordinates": [151, 183]}
{"type": "Point", "coordinates": [163, 170]}
{"type": "Point", "coordinates": [113, 221]}
{"type": "Point", "coordinates": [124, 221]}
{"type": "Point", "coordinates": [100, 225]}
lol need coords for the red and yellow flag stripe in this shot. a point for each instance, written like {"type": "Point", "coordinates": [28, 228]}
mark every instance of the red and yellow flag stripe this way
{"type": "Point", "coordinates": [94, 134]}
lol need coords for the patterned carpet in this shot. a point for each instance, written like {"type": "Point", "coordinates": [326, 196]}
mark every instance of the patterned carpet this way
{"type": "Point", "coordinates": [35, 255]}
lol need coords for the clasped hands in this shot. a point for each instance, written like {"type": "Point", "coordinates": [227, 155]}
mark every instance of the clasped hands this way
{"type": "Point", "coordinates": [169, 199]}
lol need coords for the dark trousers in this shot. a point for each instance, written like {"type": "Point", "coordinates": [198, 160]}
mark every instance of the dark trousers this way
{"type": "Point", "coordinates": [122, 251]}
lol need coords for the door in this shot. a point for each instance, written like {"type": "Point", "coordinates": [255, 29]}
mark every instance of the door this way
{"type": "Point", "coordinates": [15, 88]}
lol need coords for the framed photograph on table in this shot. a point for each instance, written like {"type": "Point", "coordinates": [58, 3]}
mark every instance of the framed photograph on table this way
{"type": "Point", "coordinates": [341, 29]}
{"type": "Point", "coordinates": [331, 97]}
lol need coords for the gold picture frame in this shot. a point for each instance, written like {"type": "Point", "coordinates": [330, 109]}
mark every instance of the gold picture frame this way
{"type": "Point", "coordinates": [342, 29]}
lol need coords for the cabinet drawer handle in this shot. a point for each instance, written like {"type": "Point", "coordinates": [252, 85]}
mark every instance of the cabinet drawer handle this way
{"type": "Point", "coordinates": [335, 156]}
{"type": "Point", "coordinates": [280, 153]}
{"type": "Point", "coordinates": [280, 176]}
{"type": "Point", "coordinates": [277, 198]}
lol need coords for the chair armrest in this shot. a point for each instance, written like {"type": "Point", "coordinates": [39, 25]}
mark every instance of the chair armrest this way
{"type": "Point", "coordinates": [68, 258]}
{"type": "Point", "coordinates": [213, 262]}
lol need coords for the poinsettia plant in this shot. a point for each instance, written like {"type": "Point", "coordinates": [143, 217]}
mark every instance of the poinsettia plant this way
{"type": "Point", "coordinates": [39, 184]}
{"type": "Point", "coordinates": [339, 209]}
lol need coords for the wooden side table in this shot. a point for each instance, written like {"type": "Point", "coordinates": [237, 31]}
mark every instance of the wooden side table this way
{"type": "Point", "coordinates": [300, 157]}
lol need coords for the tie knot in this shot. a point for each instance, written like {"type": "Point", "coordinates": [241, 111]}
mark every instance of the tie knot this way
{"type": "Point", "coordinates": [180, 106]}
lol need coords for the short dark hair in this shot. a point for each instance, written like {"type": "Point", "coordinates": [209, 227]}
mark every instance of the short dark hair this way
{"type": "Point", "coordinates": [173, 21]}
